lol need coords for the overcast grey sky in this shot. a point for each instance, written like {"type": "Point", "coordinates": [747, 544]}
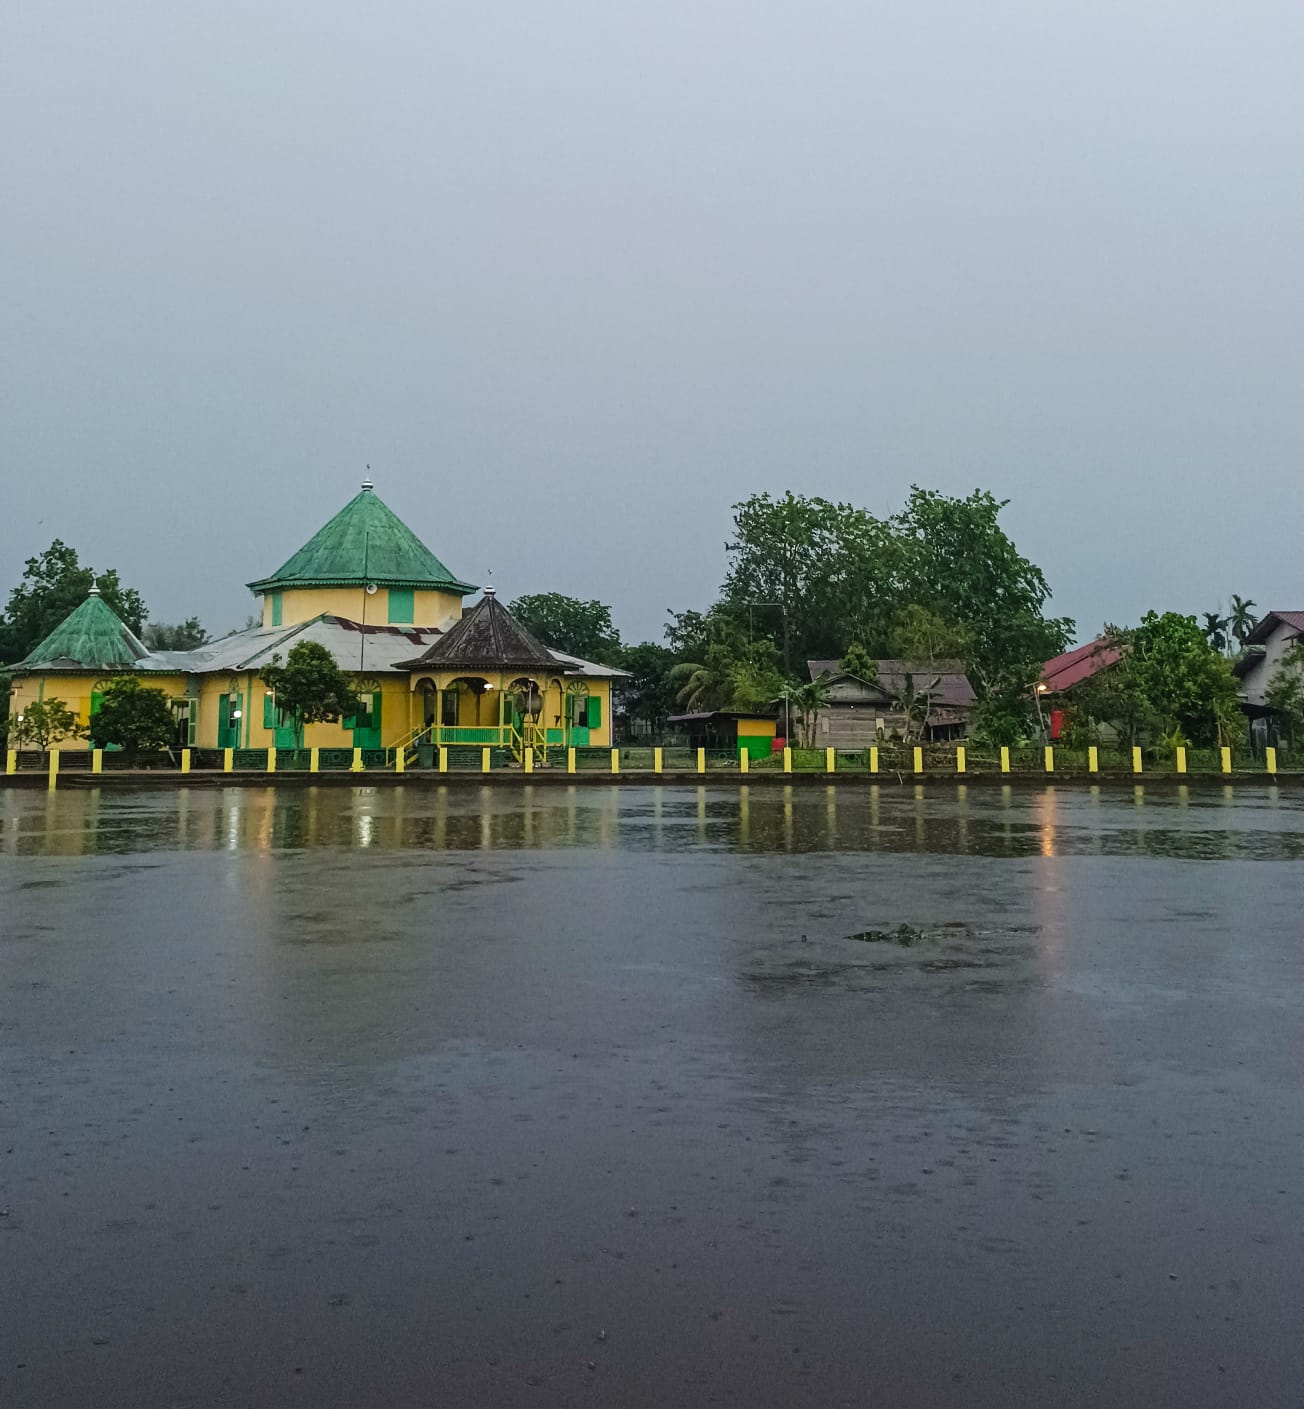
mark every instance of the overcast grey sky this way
{"type": "Point", "coordinates": [574, 277]}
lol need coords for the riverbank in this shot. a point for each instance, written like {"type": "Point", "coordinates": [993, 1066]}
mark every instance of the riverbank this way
{"type": "Point", "coordinates": [516, 779]}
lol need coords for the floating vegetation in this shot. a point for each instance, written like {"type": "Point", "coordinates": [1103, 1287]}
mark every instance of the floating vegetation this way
{"type": "Point", "coordinates": [905, 935]}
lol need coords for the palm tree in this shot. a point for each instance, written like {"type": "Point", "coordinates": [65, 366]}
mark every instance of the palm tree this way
{"type": "Point", "coordinates": [1242, 618]}
{"type": "Point", "coordinates": [700, 687]}
{"type": "Point", "coordinates": [915, 704]}
{"type": "Point", "coordinates": [806, 701]}
{"type": "Point", "coordinates": [1216, 630]}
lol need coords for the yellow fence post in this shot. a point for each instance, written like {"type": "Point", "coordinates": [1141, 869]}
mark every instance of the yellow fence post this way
{"type": "Point", "coordinates": [314, 760]}
{"type": "Point", "coordinates": [570, 760]}
{"type": "Point", "coordinates": [701, 760]}
{"type": "Point", "coordinates": [1093, 759]}
{"type": "Point", "coordinates": [484, 760]}
{"type": "Point", "coordinates": [744, 761]}
{"type": "Point", "coordinates": [919, 759]}
{"type": "Point", "coordinates": [11, 761]}
{"type": "Point", "coordinates": [658, 760]}
{"type": "Point", "coordinates": [185, 760]}
{"type": "Point", "coordinates": [529, 758]}
{"type": "Point", "coordinates": [54, 768]}
{"type": "Point", "coordinates": [1226, 755]}
{"type": "Point", "coordinates": [1005, 758]}
{"type": "Point", "coordinates": [1136, 758]}
{"type": "Point", "coordinates": [228, 760]}
{"type": "Point", "coordinates": [97, 760]}
{"type": "Point", "coordinates": [1050, 758]}
{"type": "Point", "coordinates": [960, 759]}
{"type": "Point", "coordinates": [1180, 759]}
{"type": "Point", "coordinates": [615, 760]}
{"type": "Point", "coordinates": [400, 759]}
{"type": "Point", "coordinates": [873, 758]}
{"type": "Point", "coordinates": [1269, 758]}
{"type": "Point", "coordinates": [443, 759]}
{"type": "Point", "coordinates": [830, 760]}
{"type": "Point", "coordinates": [356, 766]}
{"type": "Point", "coordinates": [271, 760]}
{"type": "Point", "coordinates": [787, 760]}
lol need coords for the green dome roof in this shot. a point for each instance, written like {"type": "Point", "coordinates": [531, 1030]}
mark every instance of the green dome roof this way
{"type": "Point", "coordinates": [365, 542]}
{"type": "Point", "coordinates": [92, 637]}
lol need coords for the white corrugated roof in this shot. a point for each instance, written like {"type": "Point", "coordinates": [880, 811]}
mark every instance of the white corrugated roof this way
{"type": "Point", "coordinates": [385, 647]}
{"type": "Point", "coordinates": [374, 648]}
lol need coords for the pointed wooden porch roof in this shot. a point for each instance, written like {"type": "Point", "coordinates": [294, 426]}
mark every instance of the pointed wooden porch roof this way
{"type": "Point", "coordinates": [487, 638]}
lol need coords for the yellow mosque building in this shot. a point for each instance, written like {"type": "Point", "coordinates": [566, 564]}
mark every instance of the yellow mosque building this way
{"type": "Point", "coordinates": [428, 673]}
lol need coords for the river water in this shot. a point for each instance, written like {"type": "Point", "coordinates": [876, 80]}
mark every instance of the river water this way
{"type": "Point", "coordinates": [635, 1098]}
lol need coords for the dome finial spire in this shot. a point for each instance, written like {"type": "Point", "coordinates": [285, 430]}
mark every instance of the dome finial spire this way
{"type": "Point", "coordinates": [366, 483]}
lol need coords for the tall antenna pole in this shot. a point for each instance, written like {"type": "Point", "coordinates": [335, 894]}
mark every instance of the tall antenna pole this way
{"type": "Point", "coordinates": [366, 585]}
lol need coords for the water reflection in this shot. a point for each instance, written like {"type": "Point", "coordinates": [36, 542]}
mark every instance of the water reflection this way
{"type": "Point", "coordinates": [1048, 822]}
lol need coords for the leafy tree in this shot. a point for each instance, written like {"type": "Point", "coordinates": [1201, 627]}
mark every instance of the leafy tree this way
{"type": "Point", "coordinates": [1242, 618]}
{"type": "Point", "coordinates": [52, 586]}
{"type": "Point", "coordinates": [814, 575]}
{"type": "Point", "coordinates": [1004, 719]}
{"type": "Point", "coordinates": [687, 633]}
{"type": "Point", "coordinates": [1285, 695]}
{"type": "Point", "coordinates": [962, 566]}
{"type": "Point", "coordinates": [1216, 630]}
{"type": "Point", "coordinates": [1185, 683]}
{"type": "Point", "coordinates": [1113, 696]}
{"type": "Point", "coordinates": [133, 716]}
{"type": "Point", "coordinates": [577, 628]}
{"type": "Point", "coordinates": [921, 635]}
{"type": "Point", "coordinates": [310, 688]}
{"type": "Point", "coordinates": [187, 635]}
{"type": "Point", "coordinates": [44, 723]}
{"type": "Point", "coordinates": [811, 573]}
{"type": "Point", "coordinates": [857, 661]}
{"type": "Point", "coordinates": [649, 693]}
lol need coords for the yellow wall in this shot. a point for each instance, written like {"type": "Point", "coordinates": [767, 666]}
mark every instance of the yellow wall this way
{"type": "Point", "coordinates": [480, 710]}
{"type": "Point", "coordinates": [248, 686]}
{"type": "Point", "coordinates": [75, 691]}
{"type": "Point", "coordinates": [757, 728]}
{"type": "Point", "coordinates": [302, 604]}
{"type": "Point", "coordinates": [401, 706]}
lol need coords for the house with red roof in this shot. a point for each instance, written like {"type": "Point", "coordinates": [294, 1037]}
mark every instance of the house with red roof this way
{"type": "Point", "coordinates": [1061, 673]}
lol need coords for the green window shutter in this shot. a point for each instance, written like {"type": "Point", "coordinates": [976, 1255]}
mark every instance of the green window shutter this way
{"type": "Point", "coordinates": [269, 711]}
{"type": "Point", "coordinates": [97, 700]}
{"type": "Point", "coordinates": [375, 710]}
{"type": "Point", "coordinates": [595, 712]}
{"type": "Point", "coordinates": [276, 608]}
{"type": "Point", "coordinates": [402, 606]}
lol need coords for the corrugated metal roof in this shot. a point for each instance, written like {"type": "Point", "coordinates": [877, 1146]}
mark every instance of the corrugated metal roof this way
{"type": "Point", "coordinates": [353, 647]}
{"type": "Point", "coordinates": [365, 542]}
{"type": "Point", "coordinates": [1064, 671]}
{"type": "Point", "coordinates": [1265, 627]}
{"type": "Point", "coordinates": [953, 687]}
